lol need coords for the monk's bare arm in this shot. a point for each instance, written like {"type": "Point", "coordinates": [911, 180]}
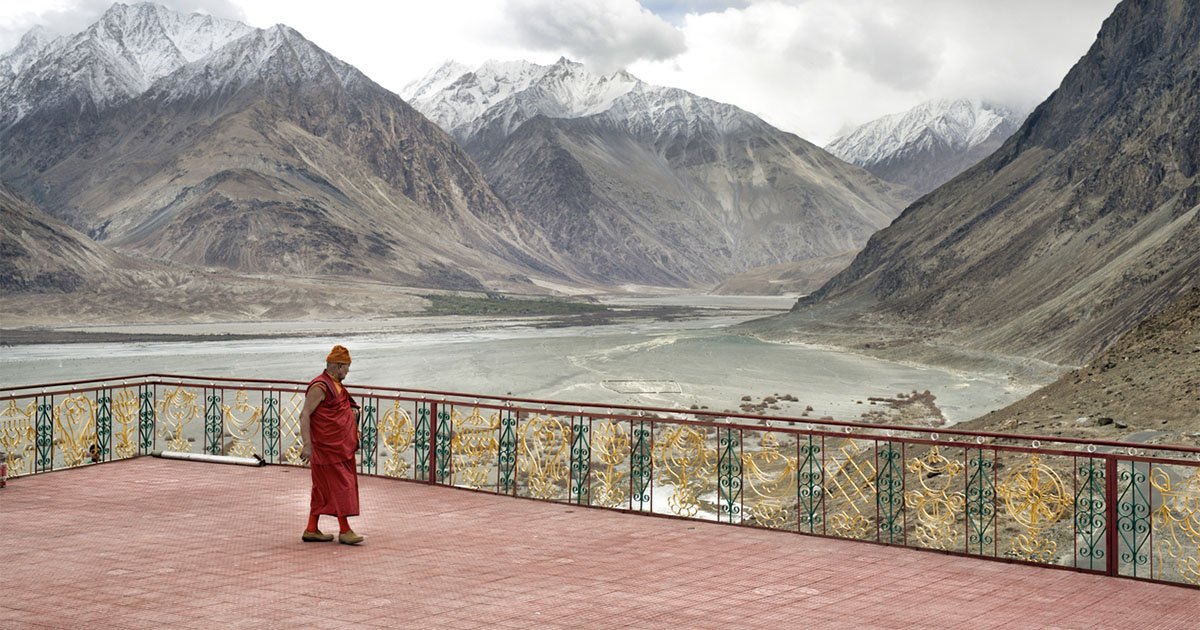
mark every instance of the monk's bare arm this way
{"type": "Point", "coordinates": [315, 395]}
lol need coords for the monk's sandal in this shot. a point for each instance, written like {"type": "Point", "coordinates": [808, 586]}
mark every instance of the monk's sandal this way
{"type": "Point", "coordinates": [349, 538]}
{"type": "Point", "coordinates": [316, 536]}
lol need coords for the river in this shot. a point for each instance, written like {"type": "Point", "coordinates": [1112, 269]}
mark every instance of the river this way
{"type": "Point", "coordinates": [682, 363]}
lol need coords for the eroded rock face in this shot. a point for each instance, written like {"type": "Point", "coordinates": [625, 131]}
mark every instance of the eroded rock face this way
{"type": "Point", "coordinates": [1146, 384]}
{"type": "Point", "coordinates": [39, 254]}
{"type": "Point", "coordinates": [1084, 222]}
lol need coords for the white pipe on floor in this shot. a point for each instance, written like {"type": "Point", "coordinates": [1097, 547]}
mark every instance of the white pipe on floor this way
{"type": "Point", "coordinates": [212, 459]}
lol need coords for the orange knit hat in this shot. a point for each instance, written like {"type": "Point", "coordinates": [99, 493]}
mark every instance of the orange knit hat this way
{"type": "Point", "coordinates": [339, 354]}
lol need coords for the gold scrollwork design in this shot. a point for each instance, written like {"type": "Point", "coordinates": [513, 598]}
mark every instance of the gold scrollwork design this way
{"type": "Point", "coordinates": [396, 433]}
{"type": "Point", "coordinates": [852, 491]}
{"type": "Point", "coordinates": [1035, 497]}
{"type": "Point", "coordinates": [545, 443]}
{"type": "Point", "coordinates": [770, 478]}
{"type": "Point", "coordinates": [17, 434]}
{"type": "Point", "coordinates": [243, 421]}
{"type": "Point", "coordinates": [289, 422]}
{"type": "Point", "coordinates": [125, 413]}
{"type": "Point", "coordinates": [75, 429]}
{"type": "Point", "coordinates": [682, 455]}
{"type": "Point", "coordinates": [610, 445]}
{"type": "Point", "coordinates": [1177, 523]}
{"type": "Point", "coordinates": [176, 409]}
{"type": "Point", "coordinates": [474, 447]}
{"type": "Point", "coordinates": [937, 509]}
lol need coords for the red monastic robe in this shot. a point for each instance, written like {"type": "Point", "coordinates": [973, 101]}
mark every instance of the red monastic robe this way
{"type": "Point", "coordinates": [334, 437]}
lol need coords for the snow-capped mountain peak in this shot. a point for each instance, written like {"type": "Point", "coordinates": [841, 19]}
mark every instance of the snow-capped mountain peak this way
{"type": "Point", "coordinates": [155, 41]}
{"type": "Point", "coordinates": [930, 143]}
{"type": "Point", "coordinates": [31, 47]}
{"type": "Point", "coordinates": [116, 58]}
{"type": "Point", "coordinates": [278, 53]}
{"type": "Point", "coordinates": [464, 94]}
{"type": "Point", "coordinates": [958, 123]}
{"type": "Point", "coordinates": [435, 81]}
{"type": "Point", "coordinates": [500, 96]}
{"type": "Point", "coordinates": [579, 92]}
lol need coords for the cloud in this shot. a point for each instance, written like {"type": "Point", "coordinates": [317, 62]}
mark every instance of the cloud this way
{"type": "Point", "coordinates": [892, 52]}
{"type": "Point", "coordinates": [814, 67]}
{"type": "Point", "coordinates": [674, 11]}
{"type": "Point", "coordinates": [604, 34]}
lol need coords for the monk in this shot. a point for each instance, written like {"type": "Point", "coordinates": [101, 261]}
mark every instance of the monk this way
{"type": "Point", "coordinates": [330, 434]}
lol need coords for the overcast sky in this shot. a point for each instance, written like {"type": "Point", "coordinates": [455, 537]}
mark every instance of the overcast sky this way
{"type": "Point", "coordinates": [812, 67]}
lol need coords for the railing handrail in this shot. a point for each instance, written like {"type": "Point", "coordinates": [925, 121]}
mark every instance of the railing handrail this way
{"type": "Point", "coordinates": [507, 402]}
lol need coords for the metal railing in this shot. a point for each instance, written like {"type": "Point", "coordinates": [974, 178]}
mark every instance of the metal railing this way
{"type": "Point", "coordinates": [1096, 506]}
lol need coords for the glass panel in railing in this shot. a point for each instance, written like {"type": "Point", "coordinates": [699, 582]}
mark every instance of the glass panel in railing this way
{"type": "Point", "coordinates": [1091, 514]}
{"type": "Point", "coordinates": [770, 460]}
{"type": "Point", "coordinates": [1035, 498]}
{"type": "Point", "coordinates": [685, 470]}
{"type": "Point", "coordinates": [935, 497]}
{"type": "Point", "coordinates": [271, 430]}
{"type": "Point", "coordinates": [74, 430]}
{"type": "Point", "coordinates": [1175, 522]}
{"type": "Point", "coordinates": [611, 441]}
{"type": "Point", "coordinates": [241, 422]}
{"type": "Point", "coordinates": [543, 450]}
{"type": "Point", "coordinates": [850, 472]}
{"type": "Point", "coordinates": [397, 433]}
{"type": "Point", "coordinates": [125, 408]}
{"type": "Point", "coordinates": [18, 434]}
{"type": "Point", "coordinates": [475, 447]}
{"type": "Point", "coordinates": [177, 412]}
{"type": "Point", "coordinates": [291, 405]}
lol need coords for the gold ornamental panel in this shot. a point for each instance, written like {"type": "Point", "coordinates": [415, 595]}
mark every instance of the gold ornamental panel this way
{"type": "Point", "coordinates": [396, 434]}
{"type": "Point", "coordinates": [1035, 499]}
{"type": "Point", "coordinates": [610, 463]}
{"type": "Point", "coordinates": [244, 422]}
{"type": "Point", "coordinates": [176, 410]}
{"type": "Point", "coordinates": [1176, 524]}
{"type": "Point", "coordinates": [474, 447]}
{"type": "Point", "coordinates": [937, 507]}
{"type": "Point", "coordinates": [289, 429]}
{"type": "Point", "coordinates": [850, 488]}
{"type": "Point", "coordinates": [75, 429]}
{"type": "Point", "coordinates": [542, 456]}
{"type": "Point", "coordinates": [125, 414]}
{"type": "Point", "coordinates": [17, 434]}
{"type": "Point", "coordinates": [684, 459]}
{"type": "Point", "coordinates": [769, 480]}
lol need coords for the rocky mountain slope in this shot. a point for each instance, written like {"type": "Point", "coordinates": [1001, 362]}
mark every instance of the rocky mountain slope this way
{"type": "Point", "coordinates": [1083, 223]}
{"type": "Point", "coordinates": [653, 185]}
{"type": "Point", "coordinates": [1146, 385]}
{"type": "Point", "coordinates": [928, 145]}
{"type": "Point", "coordinates": [40, 254]}
{"type": "Point", "coordinates": [261, 154]}
{"type": "Point", "coordinates": [50, 274]}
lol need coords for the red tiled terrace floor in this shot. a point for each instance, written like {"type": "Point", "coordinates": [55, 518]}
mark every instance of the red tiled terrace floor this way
{"type": "Point", "coordinates": [154, 543]}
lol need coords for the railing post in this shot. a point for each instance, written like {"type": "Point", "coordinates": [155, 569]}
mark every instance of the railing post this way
{"type": "Point", "coordinates": [433, 431]}
{"type": "Point", "coordinates": [1112, 538]}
